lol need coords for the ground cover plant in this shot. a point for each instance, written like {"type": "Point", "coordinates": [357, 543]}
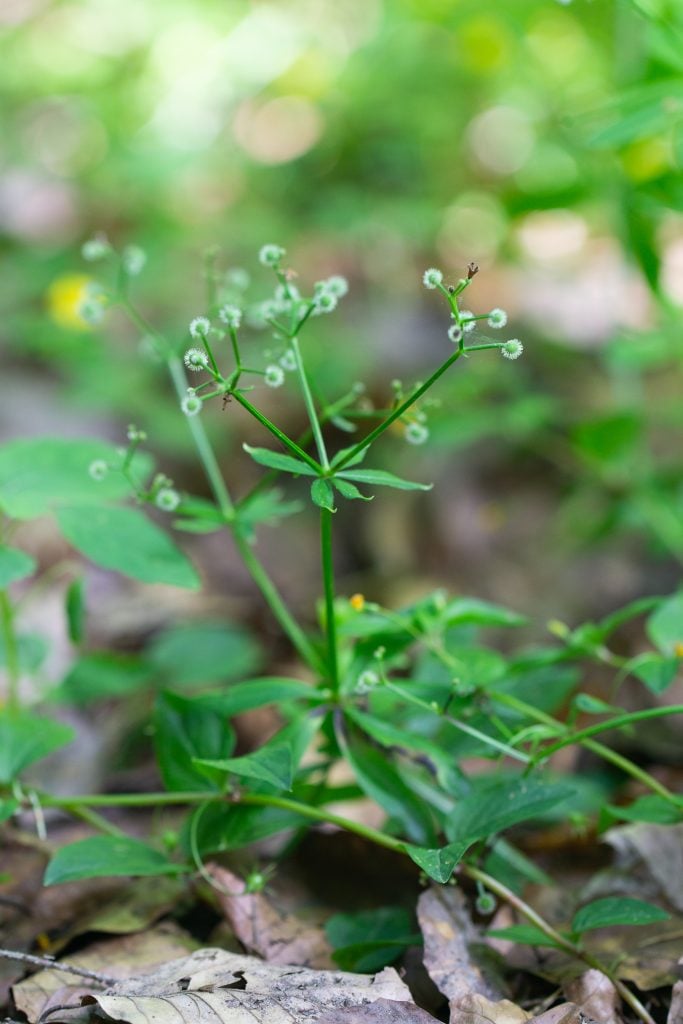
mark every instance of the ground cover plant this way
{"type": "Point", "coordinates": [412, 701]}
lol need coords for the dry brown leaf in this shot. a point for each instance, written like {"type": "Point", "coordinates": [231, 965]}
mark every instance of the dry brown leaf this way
{"type": "Point", "coordinates": [566, 1013]}
{"type": "Point", "coordinates": [382, 1011]}
{"type": "Point", "coordinates": [448, 933]}
{"type": "Point", "coordinates": [676, 1009]}
{"type": "Point", "coordinates": [477, 1009]}
{"type": "Point", "coordinates": [121, 957]}
{"type": "Point", "coordinates": [217, 987]}
{"type": "Point", "coordinates": [659, 849]}
{"type": "Point", "coordinates": [278, 937]}
{"type": "Point", "coordinates": [595, 996]}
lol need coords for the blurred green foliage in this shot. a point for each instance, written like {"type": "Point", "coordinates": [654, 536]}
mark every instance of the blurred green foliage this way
{"type": "Point", "coordinates": [542, 139]}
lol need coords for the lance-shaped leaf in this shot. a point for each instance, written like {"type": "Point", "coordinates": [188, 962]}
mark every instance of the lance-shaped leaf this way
{"type": "Point", "coordinates": [438, 863]}
{"type": "Point", "coordinates": [322, 494]}
{"type": "Point", "coordinates": [271, 763]}
{"type": "Point", "coordinates": [280, 461]}
{"type": "Point", "coordinates": [105, 857]}
{"type": "Point", "coordinates": [25, 739]}
{"type": "Point", "coordinates": [349, 490]}
{"type": "Point", "coordinates": [382, 478]}
{"type": "Point", "coordinates": [616, 910]}
{"type": "Point", "coordinates": [355, 461]}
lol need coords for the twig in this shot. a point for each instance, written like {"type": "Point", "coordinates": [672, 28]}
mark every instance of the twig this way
{"type": "Point", "coordinates": [47, 963]}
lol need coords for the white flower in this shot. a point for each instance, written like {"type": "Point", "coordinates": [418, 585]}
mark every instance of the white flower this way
{"type": "Point", "coordinates": [455, 333]}
{"type": "Point", "coordinates": [432, 278]}
{"type": "Point", "coordinates": [98, 469]}
{"type": "Point", "coordinates": [191, 403]}
{"type": "Point", "coordinates": [336, 285]}
{"type": "Point", "coordinates": [230, 315]}
{"type": "Point", "coordinates": [467, 321]}
{"type": "Point", "coordinates": [288, 360]}
{"type": "Point", "coordinates": [270, 255]}
{"type": "Point", "coordinates": [274, 376]}
{"type": "Point", "coordinates": [133, 259]}
{"type": "Point", "coordinates": [512, 349]}
{"type": "Point", "coordinates": [416, 433]}
{"type": "Point", "coordinates": [92, 309]}
{"type": "Point", "coordinates": [200, 327]}
{"type": "Point", "coordinates": [167, 499]}
{"type": "Point", "coordinates": [497, 318]}
{"type": "Point", "coordinates": [196, 360]}
{"type": "Point", "coordinates": [367, 680]}
{"type": "Point", "coordinates": [324, 302]}
{"type": "Point", "coordinates": [96, 248]}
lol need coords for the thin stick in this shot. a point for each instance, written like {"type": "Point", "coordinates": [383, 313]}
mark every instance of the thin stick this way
{"type": "Point", "coordinates": [48, 964]}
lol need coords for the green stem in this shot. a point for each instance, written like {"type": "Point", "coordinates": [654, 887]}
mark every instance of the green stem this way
{"type": "Point", "coordinates": [613, 723]}
{"type": "Point", "coordinates": [328, 581]}
{"type": "Point", "coordinates": [9, 637]}
{"type": "Point", "coordinates": [96, 820]}
{"type": "Point", "coordinates": [276, 432]}
{"type": "Point", "coordinates": [561, 941]}
{"type": "Point", "coordinates": [310, 406]}
{"type": "Point", "coordinates": [398, 411]}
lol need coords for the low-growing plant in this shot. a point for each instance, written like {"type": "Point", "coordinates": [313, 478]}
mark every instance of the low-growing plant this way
{"type": "Point", "coordinates": [406, 697]}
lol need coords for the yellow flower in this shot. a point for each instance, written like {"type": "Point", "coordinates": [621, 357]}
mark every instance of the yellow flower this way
{"type": "Point", "coordinates": [357, 602]}
{"type": "Point", "coordinates": [65, 297]}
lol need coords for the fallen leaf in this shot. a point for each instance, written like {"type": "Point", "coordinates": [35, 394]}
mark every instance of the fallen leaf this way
{"type": "Point", "coordinates": [659, 849]}
{"type": "Point", "coordinates": [382, 1011]}
{"type": "Point", "coordinates": [565, 1013]}
{"type": "Point", "coordinates": [595, 996]}
{"type": "Point", "coordinates": [477, 1009]}
{"type": "Point", "coordinates": [277, 936]}
{"type": "Point", "coordinates": [449, 935]}
{"type": "Point", "coordinates": [122, 957]}
{"type": "Point", "coordinates": [217, 987]}
{"type": "Point", "coordinates": [676, 1009]}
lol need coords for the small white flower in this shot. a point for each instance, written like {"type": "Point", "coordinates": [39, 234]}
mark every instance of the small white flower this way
{"type": "Point", "coordinates": [274, 376]}
{"type": "Point", "coordinates": [133, 259]}
{"type": "Point", "coordinates": [286, 296]}
{"type": "Point", "coordinates": [288, 360]}
{"type": "Point", "coordinates": [416, 433]}
{"type": "Point", "coordinates": [96, 248]}
{"type": "Point", "coordinates": [337, 285]}
{"type": "Point", "coordinates": [196, 360]}
{"type": "Point", "coordinates": [98, 469]}
{"type": "Point", "coordinates": [367, 680]}
{"type": "Point", "coordinates": [270, 255]}
{"type": "Point", "coordinates": [191, 403]}
{"type": "Point", "coordinates": [432, 278]}
{"type": "Point", "coordinates": [200, 327]}
{"type": "Point", "coordinates": [497, 318]}
{"type": "Point", "coordinates": [167, 499]}
{"type": "Point", "coordinates": [92, 309]}
{"type": "Point", "coordinates": [455, 333]}
{"type": "Point", "coordinates": [512, 349]}
{"type": "Point", "coordinates": [134, 433]}
{"type": "Point", "coordinates": [324, 302]}
{"type": "Point", "coordinates": [231, 315]}
{"type": "Point", "coordinates": [467, 321]}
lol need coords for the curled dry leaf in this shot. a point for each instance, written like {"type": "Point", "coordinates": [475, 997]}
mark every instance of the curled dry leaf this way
{"type": "Point", "coordinates": [477, 1009]}
{"type": "Point", "coordinates": [278, 937]}
{"type": "Point", "coordinates": [217, 987]}
{"type": "Point", "coordinates": [595, 996]}
{"type": "Point", "coordinates": [448, 935]}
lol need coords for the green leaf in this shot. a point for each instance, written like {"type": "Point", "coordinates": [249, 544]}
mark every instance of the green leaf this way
{"type": "Point", "coordinates": [469, 610]}
{"type": "Point", "coordinates": [102, 675]}
{"type": "Point", "coordinates": [184, 730]}
{"type": "Point", "coordinates": [74, 604]}
{"type": "Point", "coordinates": [350, 491]}
{"type": "Point", "coordinates": [381, 478]}
{"type": "Point", "coordinates": [652, 808]}
{"type": "Point", "coordinates": [497, 804]}
{"type": "Point", "coordinates": [106, 857]}
{"type": "Point", "coordinates": [257, 693]}
{"type": "Point", "coordinates": [203, 652]}
{"type": "Point", "coordinates": [616, 910]}
{"type": "Point", "coordinates": [264, 507]}
{"type": "Point", "coordinates": [665, 626]}
{"type": "Point", "coordinates": [370, 939]}
{"type": "Point", "coordinates": [280, 461]}
{"type": "Point", "coordinates": [272, 763]}
{"type": "Point", "coordinates": [355, 461]}
{"type": "Point", "coordinates": [7, 809]}
{"type": "Point", "coordinates": [440, 863]}
{"type": "Point", "coordinates": [591, 705]}
{"type": "Point", "coordinates": [25, 739]}
{"type": "Point", "coordinates": [123, 539]}
{"type": "Point", "coordinates": [526, 934]}
{"type": "Point", "coordinates": [14, 565]}
{"type": "Point", "coordinates": [380, 780]}
{"type": "Point", "coordinates": [40, 474]}
{"type": "Point", "coordinates": [322, 494]}
{"type": "Point", "coordinates": [655, 671]}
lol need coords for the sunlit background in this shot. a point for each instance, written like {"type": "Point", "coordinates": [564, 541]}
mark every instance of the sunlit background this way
{"type": "Point", "coordinates": [543, 140]}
